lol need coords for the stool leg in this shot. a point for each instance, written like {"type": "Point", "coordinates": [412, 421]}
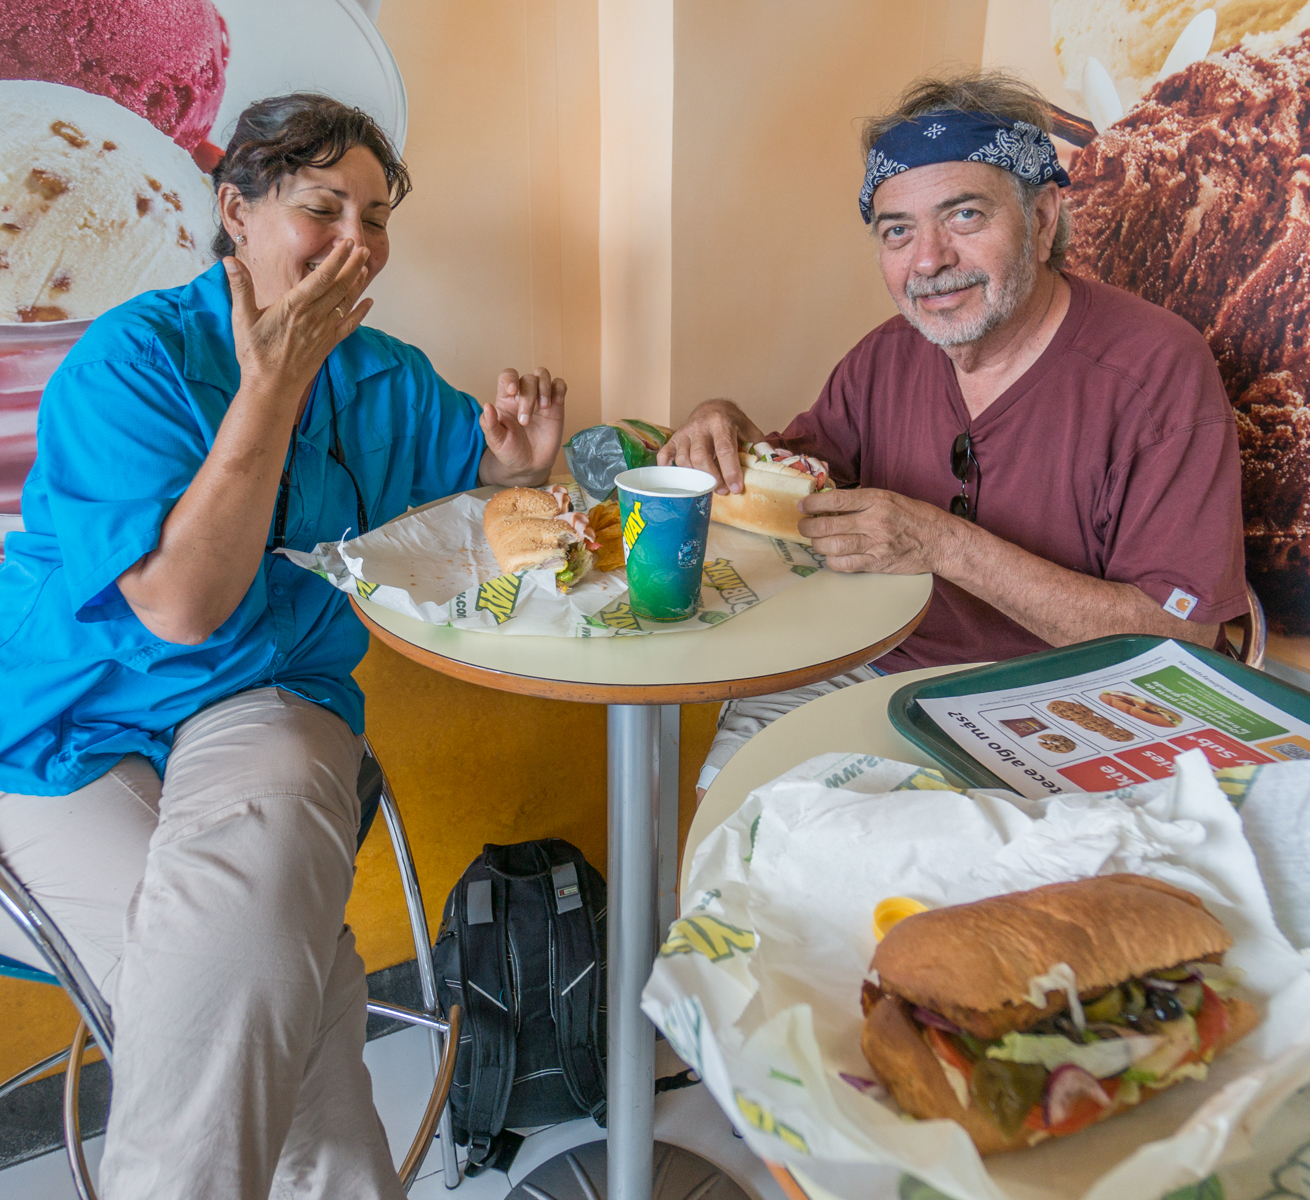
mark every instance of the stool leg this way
{"type": "Point", "coordinates": [418, 924]}
{"type": "Point", "coordinates": [72, 1119]}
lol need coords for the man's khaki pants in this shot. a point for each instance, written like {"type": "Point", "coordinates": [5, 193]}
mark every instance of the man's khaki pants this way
{"type": "Point", "coordinates": [209, 911]}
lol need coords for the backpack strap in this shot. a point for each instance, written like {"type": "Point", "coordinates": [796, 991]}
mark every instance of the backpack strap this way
{"type": "Point", "coordinates": [489, 1008]}
{"type": "Point", "coordinates": [577, 977]}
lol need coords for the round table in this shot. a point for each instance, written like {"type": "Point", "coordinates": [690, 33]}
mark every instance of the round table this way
{"type": "Point", "coordinates": [819, 627]}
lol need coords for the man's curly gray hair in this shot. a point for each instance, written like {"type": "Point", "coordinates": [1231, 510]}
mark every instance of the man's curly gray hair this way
{"type": "Point", "coordinates": [995, 92]}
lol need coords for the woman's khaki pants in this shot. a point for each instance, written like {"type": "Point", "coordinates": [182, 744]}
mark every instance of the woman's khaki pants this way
{"type": "Point", "coordinates": [209, 910]}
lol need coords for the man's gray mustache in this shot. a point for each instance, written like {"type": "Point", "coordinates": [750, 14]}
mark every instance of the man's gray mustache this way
{"type": "Point", "coordinates": [943, 284]}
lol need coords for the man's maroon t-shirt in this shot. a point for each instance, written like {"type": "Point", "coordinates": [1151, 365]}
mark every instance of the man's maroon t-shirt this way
{"type": "Point", "coordinates": [1114, 455]}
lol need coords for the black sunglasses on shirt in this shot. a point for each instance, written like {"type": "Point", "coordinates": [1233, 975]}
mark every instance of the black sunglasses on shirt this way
{"type": "Point", "coordinates": [961, 457]}
{"type": "Point", "coordinates": [336, 453]}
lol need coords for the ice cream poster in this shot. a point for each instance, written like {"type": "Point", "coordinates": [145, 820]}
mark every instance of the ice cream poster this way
{"type": "Point", "coordinates": [1185, 128]}
{"type": "Point", "coordinates": [114, 112]}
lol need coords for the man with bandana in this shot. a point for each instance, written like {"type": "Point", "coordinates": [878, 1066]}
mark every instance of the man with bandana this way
{"type": "Point", "coordinates": [1058, 453]}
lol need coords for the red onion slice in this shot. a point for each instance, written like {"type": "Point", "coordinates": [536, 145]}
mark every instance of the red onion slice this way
{"type": "Point", "coordinates": [1066, 1085]}
{"type": "Point", "coordinates": [926, 1017]}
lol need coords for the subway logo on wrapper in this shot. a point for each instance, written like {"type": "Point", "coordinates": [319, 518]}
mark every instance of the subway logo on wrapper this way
{"type": "Point", "coordinates": [759, 1117]}
{"type": "Point", "coordinates": [498, 597]}
{"type": "Point", "coordinates": [708, 936]}
{"type": "Point", "coordinates": [722, 576]}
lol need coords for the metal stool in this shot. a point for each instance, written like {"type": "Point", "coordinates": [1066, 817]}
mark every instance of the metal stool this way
{"type": "Point", "coordinates": [1254, 633]}
{"type": "Point", "coordinates": [67, 972]}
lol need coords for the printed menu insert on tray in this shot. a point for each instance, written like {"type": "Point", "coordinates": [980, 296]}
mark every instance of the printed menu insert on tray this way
{"type": "Point", "coordinates": [1117, 726]}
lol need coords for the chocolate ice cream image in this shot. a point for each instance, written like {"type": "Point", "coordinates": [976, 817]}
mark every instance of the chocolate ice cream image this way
{"type": "Point", "coordinates": [163, 59]}
{"type": "Point", "coordinates": [1199, 200]}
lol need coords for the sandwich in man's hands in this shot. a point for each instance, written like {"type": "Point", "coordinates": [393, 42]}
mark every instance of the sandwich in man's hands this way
{"type": "Point", "coordinates": [775, 481]}
{"type": "Point", "coordinates": [534, 528]}
{"type": "Point", "coordinates": [1038, 1013]}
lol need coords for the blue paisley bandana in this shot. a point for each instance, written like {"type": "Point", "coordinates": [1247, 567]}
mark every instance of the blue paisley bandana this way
{"type": "Point", "coordinates": [952, 136]}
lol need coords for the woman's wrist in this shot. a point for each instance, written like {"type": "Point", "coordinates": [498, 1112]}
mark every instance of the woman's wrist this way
{"type": "Point", "coordinates": [493, 472]}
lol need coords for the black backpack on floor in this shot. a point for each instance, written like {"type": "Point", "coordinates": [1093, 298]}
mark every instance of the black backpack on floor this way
{"type": "Point", "coordinates": [522, 950]}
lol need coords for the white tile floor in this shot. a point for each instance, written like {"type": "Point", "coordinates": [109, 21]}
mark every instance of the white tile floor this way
{"type": "Point", "coordinates": [402, 1079]}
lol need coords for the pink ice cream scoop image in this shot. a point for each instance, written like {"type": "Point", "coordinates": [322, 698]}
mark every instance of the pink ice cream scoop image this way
{"type": "Point", "coordinates": [165, 60]}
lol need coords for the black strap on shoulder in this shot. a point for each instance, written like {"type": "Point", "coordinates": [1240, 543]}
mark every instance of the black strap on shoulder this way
{"type": "Point", "coordinates": [489, 1007]}
{"type": "Point", "coordinates": [576, 973]}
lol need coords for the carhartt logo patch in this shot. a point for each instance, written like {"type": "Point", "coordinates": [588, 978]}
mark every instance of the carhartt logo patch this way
{"type": "Point", "coordinates": [1180, 603]}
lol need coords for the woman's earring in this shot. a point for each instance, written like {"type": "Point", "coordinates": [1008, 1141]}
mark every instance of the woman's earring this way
{"type": "Point", "coordinates": [241, 239]}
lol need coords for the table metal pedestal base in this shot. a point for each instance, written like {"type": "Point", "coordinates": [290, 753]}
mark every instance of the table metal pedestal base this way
{"type": "Point", "coordinates": [581, 1174]}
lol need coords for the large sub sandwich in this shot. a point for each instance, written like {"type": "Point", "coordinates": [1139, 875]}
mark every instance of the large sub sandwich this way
{"type": "Point", "coordinates": [775, 482]}
{"type": "Point", "coordinates": [1036, 1014]}
{"type": "Point", "coordinates": [532, 528]}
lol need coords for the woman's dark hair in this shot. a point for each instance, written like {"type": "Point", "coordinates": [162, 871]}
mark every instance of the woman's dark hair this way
{"type": "Point", "coordinates": [278, 136]}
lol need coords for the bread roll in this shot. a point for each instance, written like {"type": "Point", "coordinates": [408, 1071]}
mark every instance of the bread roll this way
{"type": "Point", "coordinates": [525, 533]}
{"type": "Point", "coordinates": [972, 962]}
{"type": "Point", "coordinates": [768, 502]}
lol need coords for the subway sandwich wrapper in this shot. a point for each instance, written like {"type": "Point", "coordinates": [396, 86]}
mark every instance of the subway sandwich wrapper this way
{"type": "Point", "coordinates": [435, 565]}
{"type": "Point", "coordinates": [758, 986]}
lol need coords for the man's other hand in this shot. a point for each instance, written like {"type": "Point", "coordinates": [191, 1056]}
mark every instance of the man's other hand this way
{"type": "Point", "coordinates": [867, 529]}
{"type": "Point", "coordinates": [708, 441]}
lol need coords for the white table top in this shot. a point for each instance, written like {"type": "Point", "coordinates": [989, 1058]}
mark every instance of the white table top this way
{"type": "Point", "coordinates": [809, 631]}
{"type": "Point", "coordinates": [852, 718]}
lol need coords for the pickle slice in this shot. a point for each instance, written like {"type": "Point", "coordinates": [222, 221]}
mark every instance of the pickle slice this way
{"type": "Point", "coordinates": [1007, 1091]}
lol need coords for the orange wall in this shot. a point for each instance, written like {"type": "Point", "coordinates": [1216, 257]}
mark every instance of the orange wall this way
{"type": "Point", "coordinates": [774, 274]}
{"type": "Point", "coordinates": [494, 255]}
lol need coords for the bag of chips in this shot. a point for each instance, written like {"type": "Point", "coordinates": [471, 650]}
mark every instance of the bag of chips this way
{"type": "Point", "coordinates": [596, 455]}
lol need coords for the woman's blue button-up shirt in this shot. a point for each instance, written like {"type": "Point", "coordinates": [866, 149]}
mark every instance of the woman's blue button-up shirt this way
{"type": "Point", "coordinates": [124, 426]}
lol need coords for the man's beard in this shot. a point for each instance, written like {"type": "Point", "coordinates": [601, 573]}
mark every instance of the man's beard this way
{"type": "Point", "coordinates": [1000, 300]}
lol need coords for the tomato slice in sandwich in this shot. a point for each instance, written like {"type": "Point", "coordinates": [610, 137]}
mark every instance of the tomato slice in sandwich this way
{"type": "Point", "coordinates": [1085, 1112]}
{"type": "Point", "coordinates": [1212, 1022]}
{"type": "Point", "coordinates": [948, 1050]}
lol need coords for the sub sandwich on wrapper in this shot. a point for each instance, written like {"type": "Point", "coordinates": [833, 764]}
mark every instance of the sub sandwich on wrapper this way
{"type": "Point", "coordinates": [534, 528]}
{"type": "Point", "coordinates": [775, 482]}
{"type": "Point", "coordinates": [1038, 1013]}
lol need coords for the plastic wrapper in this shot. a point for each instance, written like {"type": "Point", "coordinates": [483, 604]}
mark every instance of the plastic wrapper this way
{"type": "Point", "coordinates": [597, 455]}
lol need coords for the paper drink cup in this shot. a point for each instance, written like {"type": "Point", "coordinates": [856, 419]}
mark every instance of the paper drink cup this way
{"type": "Point", "coordinates": [665, 513]}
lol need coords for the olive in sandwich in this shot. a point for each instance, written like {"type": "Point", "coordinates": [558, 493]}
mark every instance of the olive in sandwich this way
{"type": "Point", "coordinates": [1038, 1013]}
{"type": "Point", "coordinates": [533, 529]}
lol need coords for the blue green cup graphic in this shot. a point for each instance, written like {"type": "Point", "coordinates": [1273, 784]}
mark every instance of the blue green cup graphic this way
{"type": "Point", "coordinates": [665, 513]}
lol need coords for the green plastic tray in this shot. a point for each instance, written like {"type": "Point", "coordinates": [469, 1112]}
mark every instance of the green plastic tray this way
{"type": "Point", "coordinates": [917, 727]}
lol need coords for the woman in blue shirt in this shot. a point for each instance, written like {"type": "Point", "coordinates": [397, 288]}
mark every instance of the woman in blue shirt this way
{"type": "Point", "coordinates": [179, 732]}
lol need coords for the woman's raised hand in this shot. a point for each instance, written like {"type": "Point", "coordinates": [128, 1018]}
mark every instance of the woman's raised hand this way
{"type": "Point", "coordinates": [284, 344]}
{"type": "Point", "coordinates": [523, 427]}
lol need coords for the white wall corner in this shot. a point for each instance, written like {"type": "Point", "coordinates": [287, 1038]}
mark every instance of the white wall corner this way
{"type": "Point", "coordinates": [636, 199]}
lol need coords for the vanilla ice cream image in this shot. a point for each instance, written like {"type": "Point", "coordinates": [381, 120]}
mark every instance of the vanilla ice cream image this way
{"type": "Point", "coordinates": [1131, 39]}
{"type": "Point", "coordinates": [96, 205]}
